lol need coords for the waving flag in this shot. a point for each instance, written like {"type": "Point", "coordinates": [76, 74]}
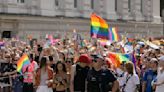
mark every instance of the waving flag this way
{"type": "Point", "coordinates": [23, 62]}
{"type": "Point", "coordinates": [118, 58]}
{"type": "Point", "coordinates": [99, 27]}
{"type": "Point", "coordinates": [113, 34]}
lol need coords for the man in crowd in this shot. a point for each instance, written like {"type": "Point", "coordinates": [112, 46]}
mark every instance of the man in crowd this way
{"type": "Point", "coordinates": [79, 73]}
{"type": "Point", "coordinates": [100, 80]}
{"type": "Point", "coordinates": [7, 69]}
{"type": "Point", "coordinates": [150, 75]}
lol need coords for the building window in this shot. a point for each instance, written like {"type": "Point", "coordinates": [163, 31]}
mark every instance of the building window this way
{"type": "Point", "coordinates": [21, 1]}
{"type": "Point", "coordinates": [141, 6]}
{"type": "Point", "coordinates": [75, 3]}
{"type": "Point", "coordinates": [57, 2]}
{"type": "Point", "coordinates": [115, 5]}
{"type": "Point", "coordinates": [6, 34]}
{"type": "Point", "coordinates": [162, 8]}
{"type": "Point", "coordinates": [92, 4]}
{"type": "Point", "coordinates": [129, 5]}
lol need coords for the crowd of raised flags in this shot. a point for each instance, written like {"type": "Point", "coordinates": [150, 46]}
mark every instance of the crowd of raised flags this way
{"type": "Point", "coordinates": [20, 60]}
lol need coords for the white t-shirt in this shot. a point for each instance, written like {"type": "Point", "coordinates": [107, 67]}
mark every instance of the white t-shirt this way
{"type": "Point", "coordinates": [132, 82]}
{"type": "Point", "coordinates": [160, 78]}
{"type": "Point", "coordinates": [120, 74]}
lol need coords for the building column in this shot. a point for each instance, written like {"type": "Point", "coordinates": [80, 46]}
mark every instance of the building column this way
{"type": "Point", "coordinates": [147, 10]}
{"type": "Point", "coordinates": [70, 11]}
{"type": "Point", "coordinates": [110, 9]}
{"type": "Point", "coordinates": [123, 10]}
{"type": "Point", "coordinates": [136, 10]}
{"type": "Point", "coordinates": [47, 7]}
{"type": "Point", "coordinates": [86, 9]}
{"type": "Point", "coordinates": [156, 11]}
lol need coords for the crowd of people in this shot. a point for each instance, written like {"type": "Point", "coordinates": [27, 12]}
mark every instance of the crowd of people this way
{"type": "Point", "coordinates": [85, 66]}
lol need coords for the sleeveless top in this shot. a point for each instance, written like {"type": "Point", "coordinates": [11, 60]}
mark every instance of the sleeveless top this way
{"type": "Point", "coordinates": [80, 78]}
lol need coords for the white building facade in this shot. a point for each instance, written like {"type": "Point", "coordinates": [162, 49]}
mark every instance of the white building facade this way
{"type": "Point", "coordinates": [29, 17]}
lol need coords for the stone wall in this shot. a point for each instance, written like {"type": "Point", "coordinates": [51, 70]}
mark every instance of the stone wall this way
{"type": "Point", "coordinates": [38, 27]}
{"type": "Point", "coordinates": [138, 10]}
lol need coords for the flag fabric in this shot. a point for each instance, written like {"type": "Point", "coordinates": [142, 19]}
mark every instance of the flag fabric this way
{"type": "Point", "coordinates": [118, 58]}
{"type": "Point", "coordinates": [2, 44]}
{"type": "Point", "coordinates": [23, 62]}
{"type": "Point", "coordinates": [99, 27]}
{"type": "Point", "coordinates": [134, 60]}
{"type": "Point", "coordinates": [113, 34]}
{"type": "Point", "coordinates": [103, 42]}
{"type": "Point", "coordinates": [124, 57]}
{"type": "Point", "coordinates": [114, 59]}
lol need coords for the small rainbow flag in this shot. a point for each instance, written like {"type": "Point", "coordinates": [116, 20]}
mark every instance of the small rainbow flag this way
{"type": "Point", "coordinates": [23, 62]}
{"type": "Point", "coordinates": [99, 27]}
{"type": "Point", "coordinates": [118, 58]}
{"type": "Point", "coordinates": [113, 34]}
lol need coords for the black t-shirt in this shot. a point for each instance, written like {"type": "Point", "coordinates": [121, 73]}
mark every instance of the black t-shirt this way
{"type": "Point", "coordinates": [6, 67]}
{"type": "Point", "coordinates": [100, 81]}
{"type": "Point", "coordinates": [80, 78]}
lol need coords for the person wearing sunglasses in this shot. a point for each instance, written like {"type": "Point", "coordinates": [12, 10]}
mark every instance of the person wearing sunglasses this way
{"type": "Point", "coordinates": [99, 79]}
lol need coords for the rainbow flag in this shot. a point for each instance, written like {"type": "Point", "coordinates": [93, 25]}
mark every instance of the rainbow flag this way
{"type": "Point", "coordinates": [118, 58]}
{"type": "Point", "coordinates": [99, 27]}
{"type": "Point", "coordinates": [114, 59]}
{"type": "Point", "coordinates": [23, 62]}
{"type": "Point", "coordinates": [113, 34]}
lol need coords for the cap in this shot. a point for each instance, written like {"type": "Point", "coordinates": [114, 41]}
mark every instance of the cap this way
{"type": "Point", "coordinates": [161, 58]}
{"type": "Point", "coordinates": [84, 58]}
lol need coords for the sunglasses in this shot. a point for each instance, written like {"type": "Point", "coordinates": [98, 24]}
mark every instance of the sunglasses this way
{"type": "Point", "coordinates": [68, 61]}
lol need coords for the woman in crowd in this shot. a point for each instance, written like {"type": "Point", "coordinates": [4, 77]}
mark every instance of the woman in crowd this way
{"type": "Point", "coordinates": [44, 76]}
{"type": "Point", "coordinates": [61, 78]}
{"type": "Point", "coordinates": [131, 80]}
{"type": "Point", "coordinates": [62, 56]}
{"type": "Point", "coordinates": [68, 64]}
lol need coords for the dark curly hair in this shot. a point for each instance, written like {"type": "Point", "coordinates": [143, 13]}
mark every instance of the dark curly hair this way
{"type": "Point", "coordinates": [64, 67]}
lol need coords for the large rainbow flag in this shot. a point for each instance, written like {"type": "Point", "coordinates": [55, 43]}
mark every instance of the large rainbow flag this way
{"type": "Point", "coordinates": [23, 62]}
{"type": "Point", "coordinates": [99, 27]}
{"type": "Point", "coordinates": [113, 34]}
